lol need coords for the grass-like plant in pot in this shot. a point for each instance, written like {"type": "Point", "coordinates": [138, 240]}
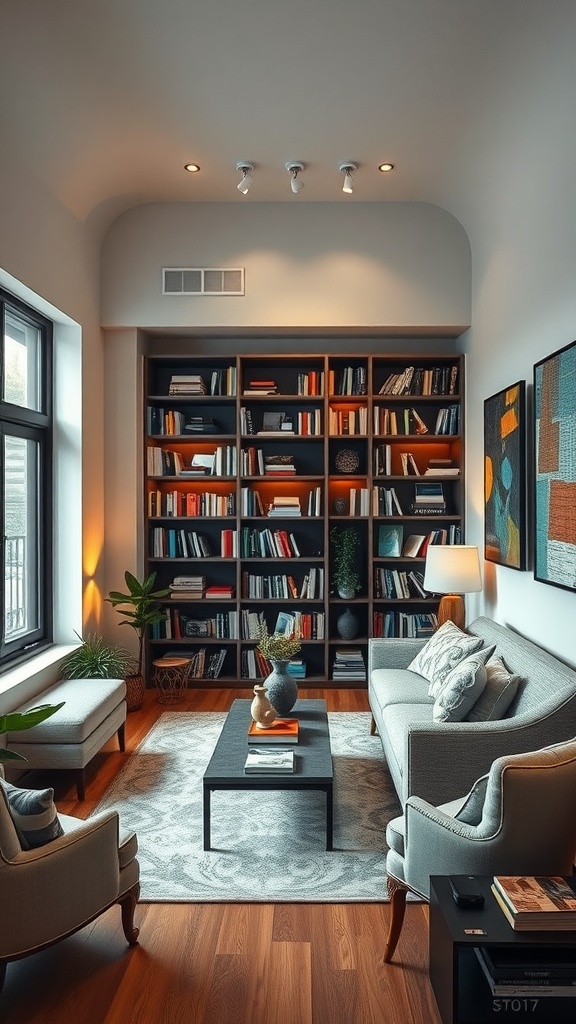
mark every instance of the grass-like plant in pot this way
{"type": "Point", "coordinates": [96, 659]}
{"type": "Point", "coordinates": [345, 542]}
{"type": "Point", "coordinates": [141, 608]}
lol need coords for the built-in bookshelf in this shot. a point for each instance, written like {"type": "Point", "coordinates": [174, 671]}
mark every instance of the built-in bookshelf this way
{"type": "Point", "coordinates": [249, 463]}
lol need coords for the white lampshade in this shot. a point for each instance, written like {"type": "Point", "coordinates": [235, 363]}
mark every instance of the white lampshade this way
{"type": "Point", "coordinates": [452, 569]}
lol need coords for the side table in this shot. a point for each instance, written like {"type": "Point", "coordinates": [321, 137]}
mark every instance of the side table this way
{"type": "Point", "coordinates": [462, 993]}
{"type": "Point", "coordinates": [170, 678]}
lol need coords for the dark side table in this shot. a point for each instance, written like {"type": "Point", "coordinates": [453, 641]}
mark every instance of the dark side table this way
{"type": "Point", "coordinates": [461, 990]}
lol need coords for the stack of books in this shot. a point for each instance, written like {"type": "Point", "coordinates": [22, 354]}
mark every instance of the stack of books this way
{"type": "Point", "coordinates": [537, 902]}
{"type": "Point", "coordinates": [188, 588]}
{"type": "Point", "coordinates": [187, 384]}
{"type": "Point", "coordinates": [283, 731]}
{"type": "Point", "coordinates": [428, 499]}
{"type": "Point", "coordinates": [296, 668]}
{"type": "Point", "coordinates": [201, 425]}
{"type": "Point", "coordinates": [279, 465]}
{"type": "Point", "coordinates": [348, 664]}
{"type": "Point", "coordinates": [261, 387]}
{"type": "Point", "coordinates": [442, 467]}
{"type": "Point", "coordinates": [528, 971]}
{"type": "Point", "coordinates": [217, 591]}
{"type": "Point", "coordinates": [285, 505]}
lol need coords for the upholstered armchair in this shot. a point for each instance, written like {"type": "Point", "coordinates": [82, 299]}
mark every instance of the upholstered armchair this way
{"type": "Point", "coordinates": [519, 819]}
{"type": "Point", "coordinates": [50, 891]}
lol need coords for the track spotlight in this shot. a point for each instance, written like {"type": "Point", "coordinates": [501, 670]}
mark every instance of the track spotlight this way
{"type": "Point", "coordinates": [192, 168]}
{"type": "Point", "coordinates": [245, 184]}
{"type": "Point", "coordinates": [347, 170]}
{"type": "Point", "coordinates": [295, 167]}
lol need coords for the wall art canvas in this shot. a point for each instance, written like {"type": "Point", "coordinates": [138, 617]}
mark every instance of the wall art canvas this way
{"type": "Point", "coordinates": [505, 477]}
{"type": "Point", "coordinates": [555, 468]}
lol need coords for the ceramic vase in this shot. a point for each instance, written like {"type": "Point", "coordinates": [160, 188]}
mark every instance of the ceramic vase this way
{"type": "Point", "coordinates": [347, 625]}
{"type": "Point", "coordinates": [261, 709]}
{"type": "Point", "coordinates": [346, 593]}
{"type": "Point", "coordinates": [282, 687]}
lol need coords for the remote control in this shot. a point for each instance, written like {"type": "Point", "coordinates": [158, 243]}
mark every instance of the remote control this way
{"type": "Point", "coordinates": [466, 891]}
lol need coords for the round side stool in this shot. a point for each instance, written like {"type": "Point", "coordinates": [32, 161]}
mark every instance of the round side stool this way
{"type": "Point", "coordinates": [170, 677]}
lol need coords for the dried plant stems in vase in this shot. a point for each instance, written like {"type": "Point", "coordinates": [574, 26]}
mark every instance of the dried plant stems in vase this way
{"type": "Point", "coordinates": [281, 687]}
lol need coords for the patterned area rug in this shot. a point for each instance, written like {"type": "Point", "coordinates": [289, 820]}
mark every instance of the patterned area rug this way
{"type": "Point", "coordinates": [268, 847]}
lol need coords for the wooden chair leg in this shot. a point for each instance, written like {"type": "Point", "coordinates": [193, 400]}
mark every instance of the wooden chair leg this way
{"type": "Point", "coordinates": [397, 893]}
{"type": "Point", "coordinates": [128, 906]}
{"type": "Point", "coordinates": [80, 784]}
{"type": "Point", "coordinates": [122, 736]}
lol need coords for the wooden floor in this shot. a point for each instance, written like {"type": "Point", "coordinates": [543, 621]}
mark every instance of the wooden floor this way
{"type": "Point", "coordinates": [223, 963]}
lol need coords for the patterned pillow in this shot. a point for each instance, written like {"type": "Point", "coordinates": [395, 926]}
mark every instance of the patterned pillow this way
{"type": "Point", "coordinates": [34, 815]}
{"type": "Point", "coordinates": [498, 694]}
{"type": "Point", "coordinates": [462, 687]}
{"type": "Point", "coordinates": [445, 649]}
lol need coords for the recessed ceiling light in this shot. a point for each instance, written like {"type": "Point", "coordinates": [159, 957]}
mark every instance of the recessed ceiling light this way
{"type": "Point", "coordinates": [385, 167]}
{"type": "Point", "coordinates": [192, 168]}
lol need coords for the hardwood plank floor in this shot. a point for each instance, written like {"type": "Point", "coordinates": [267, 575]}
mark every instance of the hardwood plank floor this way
{"type": "Point", "coordinates": [222, 963]}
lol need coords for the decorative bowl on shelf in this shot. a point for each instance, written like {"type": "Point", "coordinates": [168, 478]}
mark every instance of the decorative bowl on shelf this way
{"type": "Point", "coordinates": [347, 460]}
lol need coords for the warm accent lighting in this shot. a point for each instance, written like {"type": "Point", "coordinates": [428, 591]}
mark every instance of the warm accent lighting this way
{"type": "Point", "coordinates": [347, 170]}
{"type": "Point", "coordinates": [296, 183]}
{"type": "Point", "coordinates": [193, 168]}
{"type": "Point", "coordinates": [452, 570]}
{"type": "Point", "coordinates": [245, 184]}
{"type": "Point", "coordinates": [385, 167]}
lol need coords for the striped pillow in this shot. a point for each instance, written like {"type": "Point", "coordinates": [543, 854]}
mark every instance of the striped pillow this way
{"type": "Point", "coordinates": [34, 815]}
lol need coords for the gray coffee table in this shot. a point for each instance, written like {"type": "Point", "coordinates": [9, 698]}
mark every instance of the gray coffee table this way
{"type": "Point", "coordinates": [312, 760]}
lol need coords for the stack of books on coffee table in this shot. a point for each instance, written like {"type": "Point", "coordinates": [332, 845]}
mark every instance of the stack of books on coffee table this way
{"type": "Point", "coordinates": [267, 761]}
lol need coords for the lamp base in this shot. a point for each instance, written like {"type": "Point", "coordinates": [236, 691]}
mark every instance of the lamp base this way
{"type": "Point", "coordinates": [452, 607]}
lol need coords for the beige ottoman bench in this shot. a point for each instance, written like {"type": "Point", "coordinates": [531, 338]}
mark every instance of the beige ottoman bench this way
{"type": "Point", "coordinates": [93, 711]}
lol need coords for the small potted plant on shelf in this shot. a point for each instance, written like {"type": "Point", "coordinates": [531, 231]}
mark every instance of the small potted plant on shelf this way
{"type": "Point", "coordinates": [281, 687]}
{"type": "Point", "coordinates": [96, 659]}
{"type": "Point", "coordinates": [141, 608]}
{"type": "Point", "coordinates": [345, 543]}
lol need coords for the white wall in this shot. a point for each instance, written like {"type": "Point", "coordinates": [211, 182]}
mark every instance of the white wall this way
{"type": "Point", "coordinates": [519, 209]}
{"type": "Point", "coordinates": [308, 265]}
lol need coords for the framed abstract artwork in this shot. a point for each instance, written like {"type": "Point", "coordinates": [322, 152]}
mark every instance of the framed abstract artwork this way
{"type": "Point", "coordinates": [505, 477]}
{"type": "Point", "coordinates": [555, 468]}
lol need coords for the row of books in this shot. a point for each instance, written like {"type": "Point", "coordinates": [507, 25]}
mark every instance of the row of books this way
{"type": "Point", "coordinates": [388, 462]}
{"type": "Point", "coordinates": [204, 664]}
{"type": "Point", "coordinates": [282, 587]}
{"type": "Point", "coordinates": [176, 626]}
{"type": "Point", "coordinates": [348, 421]}
{"type": "Point", "coordinates": [349, 380]}
{"type": "Point", "coordinates": [417, 380]}
{"type": "Point", "coordinates": [303, 625]}
{"type": "Point", "coordinates": [164, 462]}
{"type": "Point", "coordinates": [398, 584]}
{"type": "Point", "coordinates": [268, 544]}
{"type": "Point", "coordinates": [167, 543]}
{"type": "Point", "coordinates": [404, 624]}
{"type": "Point", "coordinates": [398, 421]}
{"type": "Point", "coordinates": [182, 504]}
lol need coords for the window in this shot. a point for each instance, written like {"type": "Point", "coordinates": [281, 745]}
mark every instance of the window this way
{"type": "Point", "coordinates": [25, 479]}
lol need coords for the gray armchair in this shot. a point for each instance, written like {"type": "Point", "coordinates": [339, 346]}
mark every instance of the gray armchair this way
{"type": "Point", "coordinates": [518, 819]}
{"type": "Point", "coordinates": [51, 891]}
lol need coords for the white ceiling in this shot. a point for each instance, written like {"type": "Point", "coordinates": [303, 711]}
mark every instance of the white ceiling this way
{"type": "Point", "coordinates": [107, 99]}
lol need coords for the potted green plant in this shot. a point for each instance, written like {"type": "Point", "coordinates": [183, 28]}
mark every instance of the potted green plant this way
{"type": "Point", "coordinates": [345, 543]}
{"type": "Point", "coordinates": [96, 659]}
{"type": "Point", "coordinates": [16, 721]}
{"type": "Point", "coordinates": [141, 609]}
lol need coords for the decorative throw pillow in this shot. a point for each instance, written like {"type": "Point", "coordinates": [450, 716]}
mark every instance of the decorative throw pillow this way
{"type": "Point", "coordinates": [462, 687]}
{"type": "Point", "coordinates": [445, 649]}
{"type": "Point", "coordinates": [498, 694]}
{"type": "Point", "coordinates": [471, 810]}
{"type": "Point", "coordinates": [34, 815]}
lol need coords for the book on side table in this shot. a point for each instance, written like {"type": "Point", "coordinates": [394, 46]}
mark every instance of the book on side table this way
{"type": "Point", "coordinates": [537, 903]}
{"type": "Point", "coordinates": [269, 761]}
{"type": "Point", "coordinates": [283, 730]}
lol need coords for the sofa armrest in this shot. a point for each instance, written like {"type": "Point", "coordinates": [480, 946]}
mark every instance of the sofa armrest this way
{"type": "Point", "coordinates": [392, 652]}
{"type": "Point", "coordinates": [438, 844]}
{"type": "Point", "coordinates": [445, 759]}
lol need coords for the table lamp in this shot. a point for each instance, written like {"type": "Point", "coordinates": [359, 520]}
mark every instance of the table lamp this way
{"type": "Point", "coordinates": [452, 570]}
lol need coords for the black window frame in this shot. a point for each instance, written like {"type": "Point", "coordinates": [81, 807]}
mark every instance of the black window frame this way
{"type": "Point", "coordinates": [37, 426]}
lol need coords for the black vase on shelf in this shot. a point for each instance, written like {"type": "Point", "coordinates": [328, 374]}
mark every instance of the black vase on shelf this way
{"type": "Point", "coordinates": [347, 625]}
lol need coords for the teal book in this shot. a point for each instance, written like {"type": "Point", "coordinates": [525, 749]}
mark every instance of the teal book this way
{"type": "Point", "coordinates": [390, 540]}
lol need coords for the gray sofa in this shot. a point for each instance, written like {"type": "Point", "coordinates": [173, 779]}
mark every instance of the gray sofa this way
{"type": "Point", "coordinates": [439, 761]}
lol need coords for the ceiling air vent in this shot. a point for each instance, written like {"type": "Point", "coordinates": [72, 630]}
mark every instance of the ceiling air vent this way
{"type": "Point", "coordinates": [203, 280]}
